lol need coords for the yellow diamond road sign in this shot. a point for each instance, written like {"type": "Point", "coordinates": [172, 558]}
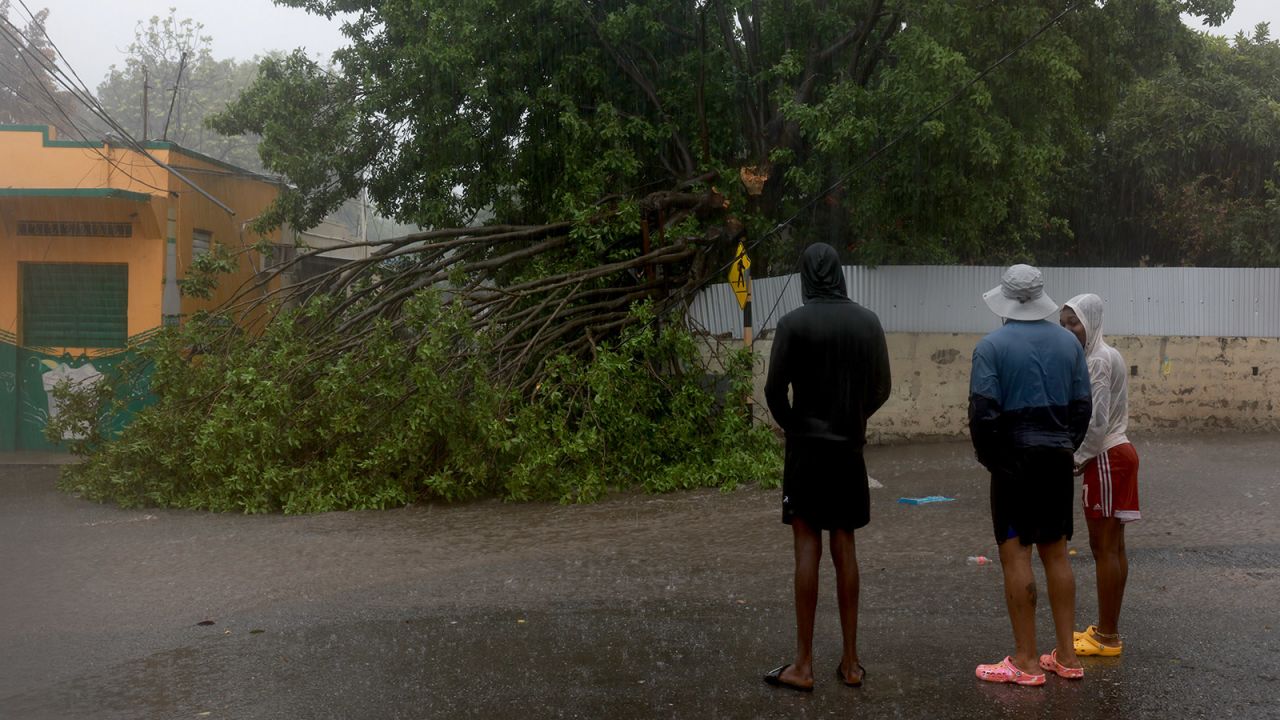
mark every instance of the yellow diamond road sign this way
{"type": "Point", "coordinates": [738, 276]}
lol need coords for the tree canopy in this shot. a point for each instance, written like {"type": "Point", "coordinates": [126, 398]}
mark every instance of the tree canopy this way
{"type": "Point", "coordinates": [531, 109]}
{"type": "Point", "coordinates": [1185, 173]}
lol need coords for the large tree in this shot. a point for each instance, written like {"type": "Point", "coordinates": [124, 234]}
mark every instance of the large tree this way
{"type": "Point", "coordinates": [607, 140]}
{"type": "Point", "coordinates": [534, 108]}
{"type": "Point", "coordinates": [186, 84]}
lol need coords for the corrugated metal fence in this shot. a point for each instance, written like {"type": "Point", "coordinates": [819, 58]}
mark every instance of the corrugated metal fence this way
{"type": "Point", "coordinates": [1215, 302]}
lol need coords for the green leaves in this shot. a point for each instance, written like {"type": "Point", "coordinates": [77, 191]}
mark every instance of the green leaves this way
{"type": "Point", "coordinates": [206, 270]}
{"type": "Point", "coordinates": [530, 111]}
{"type": "Point", "coordinates": [534, 110]}
{"type": "Point", "coordinates": [264, 425]}
{"type": "Point", "coordinates": [1184, 174]}
{"type": "Point", "coordinates": [643, 413]}
{"type": "Point", "coordinates": [322, 150]}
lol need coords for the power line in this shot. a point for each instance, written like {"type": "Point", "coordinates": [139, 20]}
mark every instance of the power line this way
{"type": "Point", "coordinates": [18, 43]}
{"type": "Point", "coordinates": [85, 96]}
{"type": "Point", "coordinates": [57, 105]}
{"type": "Point", "coordinates": [45, 32]}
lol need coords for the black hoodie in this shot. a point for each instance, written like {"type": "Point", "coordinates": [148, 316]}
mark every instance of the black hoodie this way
{"type": "Point", "coordinates": [831, 353]}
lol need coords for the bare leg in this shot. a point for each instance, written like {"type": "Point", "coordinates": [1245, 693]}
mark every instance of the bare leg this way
{"type": "Point", "coordinates": [1020, 597]}
{"type": "Point", "coordinates": [808, 551]}
{"type": "Point", "coordinates": [1111, 567]}
{"type": "Point", "coordinates": [1062, 598]}
{"type": "Point", "coordinates": [844, 555]}
{"type": "Point", "coordinates": [1124, 574]}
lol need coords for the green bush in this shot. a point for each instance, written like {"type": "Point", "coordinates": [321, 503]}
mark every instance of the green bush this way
{"type": "Point", "coordinates": [411, 413]}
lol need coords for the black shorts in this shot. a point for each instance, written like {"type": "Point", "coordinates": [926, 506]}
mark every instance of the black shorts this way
{"type": "Point", "coordinates": [1033, 495]}
{"type": "Point", "coordinates": [824, 483]}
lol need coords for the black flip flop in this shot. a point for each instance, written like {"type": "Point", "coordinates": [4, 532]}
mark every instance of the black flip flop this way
{"type": "Point", "coordinates": [840, 674]}
{"type": "Point", "coordinates": [774, 678]}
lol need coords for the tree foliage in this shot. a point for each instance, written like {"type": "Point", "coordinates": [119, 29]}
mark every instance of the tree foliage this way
{"type": "Point", "coordinates": [1186, 171]}
{"type": "Point", "coordinates": [534, 108]}
{"type": "Point", "coordinates": [533, 362]}
{"type": "Point", "coordinates": [177, 106]}
{"type": "Point", "coordinates": [259, 428]}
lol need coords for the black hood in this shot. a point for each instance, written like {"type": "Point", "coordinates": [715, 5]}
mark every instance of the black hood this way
{"type": "Point", "coordinates": [821, 277]}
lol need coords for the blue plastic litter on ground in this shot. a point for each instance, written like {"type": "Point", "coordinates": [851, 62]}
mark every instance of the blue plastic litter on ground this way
{"type": "Point", "coordinates": [924, 500]}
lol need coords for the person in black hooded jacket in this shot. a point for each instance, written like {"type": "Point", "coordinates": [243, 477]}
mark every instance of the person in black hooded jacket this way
{"type": "Point", "coordinates": [831, 354]}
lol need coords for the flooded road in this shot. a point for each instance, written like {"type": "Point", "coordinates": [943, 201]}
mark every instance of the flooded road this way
{"type": "Point", "coordinates": [635, 607]}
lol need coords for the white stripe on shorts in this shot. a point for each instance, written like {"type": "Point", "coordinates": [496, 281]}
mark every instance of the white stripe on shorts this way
{"type": "Point", "coordinates": [1104, 482]}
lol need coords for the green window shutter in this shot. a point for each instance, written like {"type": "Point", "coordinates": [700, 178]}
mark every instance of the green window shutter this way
{"type": "Point", "coordinates": [201, 241]}
{"type": "Point", "coordinates": [69, 305]}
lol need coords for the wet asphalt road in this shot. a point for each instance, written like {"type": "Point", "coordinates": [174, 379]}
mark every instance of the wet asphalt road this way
{"type": "Point", "coordinates": [635, 607]}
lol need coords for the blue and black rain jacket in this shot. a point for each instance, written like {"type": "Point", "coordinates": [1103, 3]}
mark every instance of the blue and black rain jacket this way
{"type": "Point", "coordinates": [1029, 388]}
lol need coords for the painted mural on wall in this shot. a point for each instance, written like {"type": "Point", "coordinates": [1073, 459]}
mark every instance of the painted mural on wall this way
{"type": "Point", "coordinates": [28, 377]}
{"type": "Point", "coordinates": [82, 378]}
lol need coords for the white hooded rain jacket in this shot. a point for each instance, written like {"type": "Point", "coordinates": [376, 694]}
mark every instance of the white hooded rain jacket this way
{"type": "Point", "coordinates": [1108, 377]}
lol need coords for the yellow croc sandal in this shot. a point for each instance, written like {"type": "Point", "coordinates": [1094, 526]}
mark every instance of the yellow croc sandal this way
{"type": "Point", "coordinates": [1087, 645]}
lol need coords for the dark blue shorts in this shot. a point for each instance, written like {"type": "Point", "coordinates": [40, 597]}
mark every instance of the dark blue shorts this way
{"type": "Point", "coordinates": [824, 483]}
{"type": "Point", "coordinates": [1033, 495]}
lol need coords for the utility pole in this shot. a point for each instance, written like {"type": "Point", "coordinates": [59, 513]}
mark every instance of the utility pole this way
{"type": "Point", "coordinates": [364, 221]}
{"type": "Point", "coordinates": [753, 179]}
{"type": "Point", "coordinates": [182, 64]}
{"type": "Point", "coordinates": [146, 85]}
{"type": "Point", "coordinates": [747, 334]}
{"type": "Point", "coordinates": [740, 283]}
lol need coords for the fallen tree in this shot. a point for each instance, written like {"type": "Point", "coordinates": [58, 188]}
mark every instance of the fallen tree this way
{"type": "Point", "coordinates": [533, 291]}
{"type": "Point", "coordinates": [529, 362]}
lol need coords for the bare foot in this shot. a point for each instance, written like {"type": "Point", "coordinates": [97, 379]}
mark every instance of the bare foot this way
{"type": "Point", "coordinates": [794, 677]}
{"type": "Point", "coordinates": [1068, 658]}
{"type": "Point", "coordinates": [789, 676]}
{"type": "Point", "coordinates": [1030, 668]}
{"type": "Point", "coordinates": [854, 678]}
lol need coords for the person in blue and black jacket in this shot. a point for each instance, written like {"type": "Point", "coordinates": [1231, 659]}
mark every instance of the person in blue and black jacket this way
{"type": "Point", "coordinates": [1029, 408]}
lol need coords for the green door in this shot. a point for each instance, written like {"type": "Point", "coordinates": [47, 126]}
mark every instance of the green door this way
{"type": "Point", "coordinates": [64, 305]}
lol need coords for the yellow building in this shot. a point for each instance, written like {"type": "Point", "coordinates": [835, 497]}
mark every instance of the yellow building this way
{"type": "Point", "coordinates": [93, 240]}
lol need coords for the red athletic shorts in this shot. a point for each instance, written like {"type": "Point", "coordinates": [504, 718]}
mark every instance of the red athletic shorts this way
{"type": "Point", "coordinates": [1111, 485]}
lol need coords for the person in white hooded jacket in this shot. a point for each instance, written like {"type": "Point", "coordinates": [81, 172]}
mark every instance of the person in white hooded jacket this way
{"type": "Point", "coordinates": [1109, 464]}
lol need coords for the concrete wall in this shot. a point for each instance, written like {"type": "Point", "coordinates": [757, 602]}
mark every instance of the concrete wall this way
{"type": "Point", "coordinates": [1181, 383]}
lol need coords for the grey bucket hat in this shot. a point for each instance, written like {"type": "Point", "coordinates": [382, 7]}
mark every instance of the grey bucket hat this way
{"type": "Point", "coordinates": [1020, 295]}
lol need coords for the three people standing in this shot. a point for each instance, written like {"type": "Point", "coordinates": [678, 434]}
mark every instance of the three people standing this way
{"type": "Point", "coordinates": [1044, 404]}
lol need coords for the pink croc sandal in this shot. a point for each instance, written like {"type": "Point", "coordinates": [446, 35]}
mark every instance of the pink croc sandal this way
{"type": "Point", "coordinates": [1050, 663]}
{"type": "Point", "coordinates": [1006, 672]}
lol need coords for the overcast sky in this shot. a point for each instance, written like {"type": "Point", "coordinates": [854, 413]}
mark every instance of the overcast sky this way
{"type": "Point", "coordinates": [1248, 14]}
{"type": "Point", "coordinates": [93, 34]}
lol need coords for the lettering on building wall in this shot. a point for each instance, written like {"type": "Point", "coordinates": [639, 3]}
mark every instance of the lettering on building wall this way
{"type": "Point", "coordinates": [74, 228]}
